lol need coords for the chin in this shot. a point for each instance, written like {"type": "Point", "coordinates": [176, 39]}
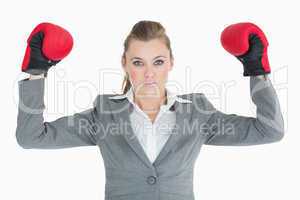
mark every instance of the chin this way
{"type": "Point", "coordinates": [149, 88]}
{"type": "Point", "coordinates": [154, 89]}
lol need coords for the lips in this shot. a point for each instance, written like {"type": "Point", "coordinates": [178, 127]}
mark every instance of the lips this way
{"type": "Point", "coordinates": [150, 83]}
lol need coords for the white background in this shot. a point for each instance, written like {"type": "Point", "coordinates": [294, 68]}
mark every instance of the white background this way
{"type": "Point", "coordinates": [99, 28]}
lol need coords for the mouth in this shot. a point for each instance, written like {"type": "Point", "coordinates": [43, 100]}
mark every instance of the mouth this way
{"type": "Point", "coordinates": [152, 83]}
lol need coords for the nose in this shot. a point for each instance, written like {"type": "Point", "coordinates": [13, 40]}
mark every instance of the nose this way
{"type": "Point", "coordinates": [149, 72]}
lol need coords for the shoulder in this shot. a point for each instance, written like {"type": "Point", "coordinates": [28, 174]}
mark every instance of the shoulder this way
{"type": "Point", "coordinates": [199, 101]}
{"type": "Point", "coordinates": [101, 102]}
{"type": "Point", "coordinates": [190, 95]}
{"type": "Point", "coordinates": [103, 97]}
{"type": "Point", "coordinates": [194, 97]}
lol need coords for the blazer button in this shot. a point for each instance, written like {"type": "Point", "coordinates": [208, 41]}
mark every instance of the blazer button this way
{"type": "Point", "coordinates": [151, 180]}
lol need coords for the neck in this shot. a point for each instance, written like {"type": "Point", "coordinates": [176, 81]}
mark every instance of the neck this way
{"type": "Point", "coordinates": [151, 104]}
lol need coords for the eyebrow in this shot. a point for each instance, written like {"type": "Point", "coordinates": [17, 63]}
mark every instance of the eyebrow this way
{"type": "Point", "coordinates": [142, 59]}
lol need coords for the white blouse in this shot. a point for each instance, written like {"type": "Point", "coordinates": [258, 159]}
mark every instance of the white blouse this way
{"type": "Point", "coordinates": [153, 136]}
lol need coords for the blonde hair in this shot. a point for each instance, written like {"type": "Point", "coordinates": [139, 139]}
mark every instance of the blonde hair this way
{"type": "Point", "coordinates": [144, 31]}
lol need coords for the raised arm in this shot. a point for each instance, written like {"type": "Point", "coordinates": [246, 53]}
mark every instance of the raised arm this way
{"type": "Point", "coordinates": [47, 45]}
{"type": "Point", "coordinates": [32, 132]}
{"type": "Point", "coordinates": [235, 130]}
{"type": "Point", "coordinates": [247, 42]}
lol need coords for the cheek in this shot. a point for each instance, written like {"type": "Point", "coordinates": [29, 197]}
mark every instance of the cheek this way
{"type": "Point", "coordinates": [163, 74]}
{"type": "Point", "coordinates": [136, 76]}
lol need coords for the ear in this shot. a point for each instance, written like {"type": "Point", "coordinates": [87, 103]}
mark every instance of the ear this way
{"type": "Point", "coordinates": [123, 62]}
{"type": "Point", "coordinates": [171, 64]}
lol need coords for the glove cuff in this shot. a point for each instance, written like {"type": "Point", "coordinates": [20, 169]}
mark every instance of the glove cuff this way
{"type": "Point", "coordinates": [253, 68]}
{"type": "Point", "coordinates": [36, 66]}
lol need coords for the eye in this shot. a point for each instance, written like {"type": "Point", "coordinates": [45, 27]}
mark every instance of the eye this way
{"type": "Point", "coordinates": [137, 63]}
{"type": "Point", "coordinates": [159, 62]}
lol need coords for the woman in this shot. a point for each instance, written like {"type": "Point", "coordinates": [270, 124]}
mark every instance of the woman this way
{"type": "Point", "coordinates": [149, 137]}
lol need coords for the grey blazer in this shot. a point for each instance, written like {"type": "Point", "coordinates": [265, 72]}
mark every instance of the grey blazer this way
{"type": "Point", "coordinates": [129, 173]}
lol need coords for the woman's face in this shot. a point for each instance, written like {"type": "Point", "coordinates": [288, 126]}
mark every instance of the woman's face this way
{"type": "Point", "coordinates": [148, 64]}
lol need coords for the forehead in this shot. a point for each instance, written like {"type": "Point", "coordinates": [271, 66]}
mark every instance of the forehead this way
{"type": "Point", "coordinates": [146, 49]}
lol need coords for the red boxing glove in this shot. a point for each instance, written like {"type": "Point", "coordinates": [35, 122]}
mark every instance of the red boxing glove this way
{"type": "Point", "coordinates": [47, 45]}
{"type": "Point", "coordinates": [247, 43]}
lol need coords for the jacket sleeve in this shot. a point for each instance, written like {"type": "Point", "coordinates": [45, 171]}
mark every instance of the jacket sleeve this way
{"type": "Point", "coordinates": [33, 132]}
{"type": "Point", "coordinates": [231, 129]}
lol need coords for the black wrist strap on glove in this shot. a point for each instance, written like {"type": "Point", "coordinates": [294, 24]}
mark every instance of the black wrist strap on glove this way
{"type": "Point", "coordinates": [251, 60]}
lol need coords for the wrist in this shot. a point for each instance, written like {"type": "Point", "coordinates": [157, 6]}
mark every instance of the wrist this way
{"type": "Point", "coordinates": [253, 68]}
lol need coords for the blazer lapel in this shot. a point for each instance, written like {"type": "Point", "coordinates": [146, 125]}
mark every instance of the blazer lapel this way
{"type": "Point", "coordinates": [183, 113]}
{"type": "Point", "coordinates": [120, 113]}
